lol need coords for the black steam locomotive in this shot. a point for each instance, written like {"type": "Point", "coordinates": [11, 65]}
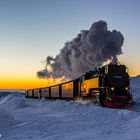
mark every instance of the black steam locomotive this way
{"type": "Point", "coordinates": [107, 86]}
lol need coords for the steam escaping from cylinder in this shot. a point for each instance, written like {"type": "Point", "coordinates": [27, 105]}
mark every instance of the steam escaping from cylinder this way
{"type": "Point", "coordinates": [90, 49]}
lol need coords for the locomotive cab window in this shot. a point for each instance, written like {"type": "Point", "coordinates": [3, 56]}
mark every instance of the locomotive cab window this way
{"type": "Point", "coordinates": [82, 79]}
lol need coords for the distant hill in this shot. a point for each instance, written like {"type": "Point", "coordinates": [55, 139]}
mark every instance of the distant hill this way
{"type": "Point", "coordinates": [135, 81]}
{"type": "Point", "coordinates": [136, 78]}
{"type": "Point", "coordinates": [5, 93]}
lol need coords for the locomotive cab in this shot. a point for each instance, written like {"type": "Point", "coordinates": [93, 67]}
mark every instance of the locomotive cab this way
{"type": "Point", "coordinates": [88, 81]}
{"type": "Point", "coordinates": [116, 83]}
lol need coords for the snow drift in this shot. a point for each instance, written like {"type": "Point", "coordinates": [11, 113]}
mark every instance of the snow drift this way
{"type": "Point", "coordinates": [6, 118]}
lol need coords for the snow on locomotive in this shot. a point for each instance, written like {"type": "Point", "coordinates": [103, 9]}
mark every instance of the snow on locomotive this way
{"type": "Point", "coordinates": [108, 86]}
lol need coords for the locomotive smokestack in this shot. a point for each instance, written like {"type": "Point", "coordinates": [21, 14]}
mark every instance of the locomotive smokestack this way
{"type": "Point", "coordinates": [90, 49]}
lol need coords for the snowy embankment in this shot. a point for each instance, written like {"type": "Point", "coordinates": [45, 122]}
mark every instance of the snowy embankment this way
{"type": "Point", "coordinates": [24, 119]}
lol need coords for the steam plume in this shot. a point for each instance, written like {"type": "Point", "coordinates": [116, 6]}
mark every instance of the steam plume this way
{"type": "Point", "coordinates": [90, 49]}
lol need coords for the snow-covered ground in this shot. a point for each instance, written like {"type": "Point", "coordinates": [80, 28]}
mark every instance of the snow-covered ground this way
{"type": "Point", "coordinates": [31, 119]}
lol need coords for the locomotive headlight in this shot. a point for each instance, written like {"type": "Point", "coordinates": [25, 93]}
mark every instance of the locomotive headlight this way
{"type": "Point", "coordinates": [112, 88]}
{"type": "Point", "coordinates": [126, 88]}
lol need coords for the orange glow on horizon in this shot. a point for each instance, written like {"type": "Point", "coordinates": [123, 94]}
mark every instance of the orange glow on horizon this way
{"type": "Point", "coordinates": [23, 82]}
{"type": "Point", "coordinates": [133, 74]}
{"type": "Point", "coordinates": [133, 71]}
{"type": "Point", "coordinates": [26, 83]}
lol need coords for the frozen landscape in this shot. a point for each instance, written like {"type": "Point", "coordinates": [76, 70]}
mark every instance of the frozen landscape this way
{"type": "Point", "coordinates": [31, 119]}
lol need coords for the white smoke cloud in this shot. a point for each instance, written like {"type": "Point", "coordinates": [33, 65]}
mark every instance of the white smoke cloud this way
{"type": "Point", "coordinates": [90, 49]}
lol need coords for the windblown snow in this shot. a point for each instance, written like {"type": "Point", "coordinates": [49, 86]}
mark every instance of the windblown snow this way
{"type": "Point", "coordinates": [31, 119]}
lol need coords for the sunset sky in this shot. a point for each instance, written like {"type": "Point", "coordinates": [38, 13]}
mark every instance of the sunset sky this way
{"type": "Point", "coordinates": [30, 30]}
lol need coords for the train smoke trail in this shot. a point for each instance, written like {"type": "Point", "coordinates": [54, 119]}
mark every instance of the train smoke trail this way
{"type": "Point", "coordinates": [90, 49]}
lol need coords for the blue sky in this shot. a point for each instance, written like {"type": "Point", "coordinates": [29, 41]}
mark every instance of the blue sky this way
{"type": "Point", "coordinates": [30, 30]}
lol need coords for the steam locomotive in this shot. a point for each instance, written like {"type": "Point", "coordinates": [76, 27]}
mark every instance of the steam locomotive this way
{"type": "Point", "coordinates": [108, 86]}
